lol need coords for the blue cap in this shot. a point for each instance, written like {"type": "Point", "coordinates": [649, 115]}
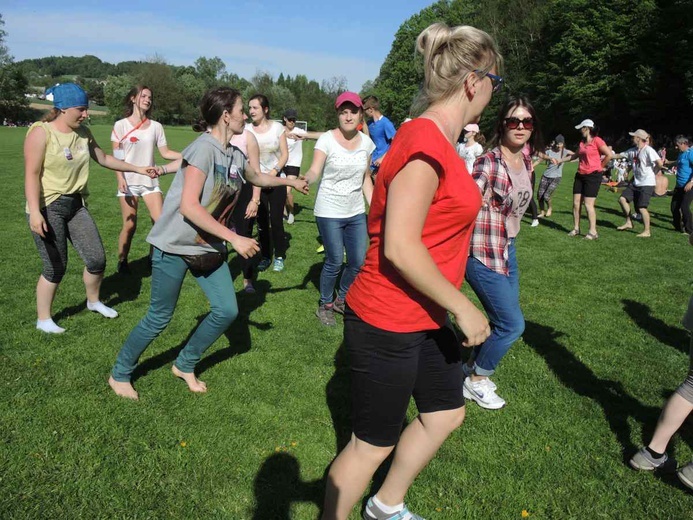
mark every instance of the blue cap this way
{"type": "Point", "coordinates": [68, 95]}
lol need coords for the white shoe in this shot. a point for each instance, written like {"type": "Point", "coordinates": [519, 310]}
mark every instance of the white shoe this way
{"type": "Point", "coordinates": [535, 222]}
{"type": "Point", "coordinates": [481, 392]}
{"type": "Point", "coordinates": [290, 219]}
{"type": "Point", "coordinates": [469, 371]}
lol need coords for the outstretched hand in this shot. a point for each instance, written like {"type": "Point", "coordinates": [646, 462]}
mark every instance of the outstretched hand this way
{"type": "Point", "coordinates": [300, 184]}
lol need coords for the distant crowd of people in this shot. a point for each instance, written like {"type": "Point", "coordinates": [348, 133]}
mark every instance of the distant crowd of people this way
{"type": "Point", "coordinates": [417, 210]}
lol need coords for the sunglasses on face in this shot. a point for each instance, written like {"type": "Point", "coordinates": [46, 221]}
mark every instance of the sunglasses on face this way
{"type": "Point", "coordinates": [496, 81]}
{"type": "Point", "coordinates": [292, 119]}
{"type": "Point", "coordinates": [511, 123]}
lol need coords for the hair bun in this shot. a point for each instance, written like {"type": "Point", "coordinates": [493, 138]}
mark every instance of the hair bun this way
{"type": "Point", "coordinates": [200, 125]}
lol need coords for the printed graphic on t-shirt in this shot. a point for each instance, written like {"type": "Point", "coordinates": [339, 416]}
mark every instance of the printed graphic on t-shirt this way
{"type": "Point", "coordinates": [227, 186]}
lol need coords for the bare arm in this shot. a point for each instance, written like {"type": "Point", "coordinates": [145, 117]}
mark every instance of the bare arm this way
{"type": "Point", "coordinates": [367, 186]}
{"type": "Point", "coordinates": [34, 153]}
{"type": "Point", "coordinates": [607, 155]}
{"type": "Point", "coordinates": [408, 201]}
{"type": "Point", "coordinates": [192, 210]}
{"type": "Point", "coordinates": [254, 161]}
{"type": "Point", "coordinates": [315, 171]}
{"type": "Point", "coordinates": [120, 177]}
{"type": "Point", "coordinates": [110, 162]}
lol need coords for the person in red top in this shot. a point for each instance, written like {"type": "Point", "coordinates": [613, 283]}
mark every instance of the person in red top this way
{"type": "Point", "coordinates": [594, 155]}
{"type": "Point", "coordinates": [422, 215]}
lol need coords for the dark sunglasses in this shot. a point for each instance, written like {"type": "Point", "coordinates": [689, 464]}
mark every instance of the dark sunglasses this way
{"type": "Point", "coordinates": [496, 81]}
{"type": "Point", "coordinates": [511, 123]}
{"type": "Point", "coordinates": [292, 119]}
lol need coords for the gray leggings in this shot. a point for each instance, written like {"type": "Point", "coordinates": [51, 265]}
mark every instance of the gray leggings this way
{"type": "Point", "coordinates": [68, 219]}
{"type": "Point", "coordinates": [686, 388]}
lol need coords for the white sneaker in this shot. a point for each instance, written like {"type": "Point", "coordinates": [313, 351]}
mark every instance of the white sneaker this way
{"type": "Point", "coordinates": [469, 371]}
{"type": "Point", "coordinates": [481, 392]}
{"type": "Point", "coordinates": [290, 219]}
{"type": "Point", "coordinates": [535, 222]}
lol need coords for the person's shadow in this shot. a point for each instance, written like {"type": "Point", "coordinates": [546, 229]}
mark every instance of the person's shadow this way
{"type": "Point", "coordinates": [278, 484]}
{"type": "Point", "coordinates": [618, 406]}
{"type": "Point", "coordinates": [115, 288]}
{"type": "Point", "coordinates": [312, 276]}
{"type": "Point", "coordinates": [658, 329]}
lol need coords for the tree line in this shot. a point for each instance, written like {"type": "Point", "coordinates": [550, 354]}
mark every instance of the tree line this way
{"type": "Point", "coordinates": [624, 64]}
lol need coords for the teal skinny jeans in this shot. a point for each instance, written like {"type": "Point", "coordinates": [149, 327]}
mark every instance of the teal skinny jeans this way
{"type": "Point", "coordinates": [168, 272]}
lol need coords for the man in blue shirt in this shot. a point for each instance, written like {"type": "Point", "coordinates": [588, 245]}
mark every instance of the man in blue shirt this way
{"type": "Point", "coordinates": [683, 192]}
{"type": "Point", "coordinates": [380, 129]}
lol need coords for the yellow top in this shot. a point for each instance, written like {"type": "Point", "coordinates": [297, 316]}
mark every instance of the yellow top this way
{"type": "Point", "coordinates": [65, 168]}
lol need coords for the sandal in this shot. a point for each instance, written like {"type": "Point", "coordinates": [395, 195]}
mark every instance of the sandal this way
{"type": "Point", "coordinates": [591, 236]}
{"type": "Point", "coordinates": [574, 233]}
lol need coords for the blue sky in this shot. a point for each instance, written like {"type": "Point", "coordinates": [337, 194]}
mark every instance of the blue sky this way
{"type": "Point", "coordinates": [317, 38]}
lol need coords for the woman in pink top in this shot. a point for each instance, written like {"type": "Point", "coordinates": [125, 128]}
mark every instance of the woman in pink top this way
{"type": "Point", "coordinates": [594, 154]}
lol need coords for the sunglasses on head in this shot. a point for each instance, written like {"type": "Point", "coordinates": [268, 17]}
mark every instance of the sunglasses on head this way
{"type": "Point", "coordinates": [511, 123]}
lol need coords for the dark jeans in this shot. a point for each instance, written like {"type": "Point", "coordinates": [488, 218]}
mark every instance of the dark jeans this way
{"type": "Point", "coordinates": [681, 210]}
{"type": "Point", "coordinates": [338, 235]}
{"type": "Point", "coordinates": [244, 227]}
{"type": "Point", "coordinates": [270, 222]}
{"type": "Point", "coordinates": [533, 203]}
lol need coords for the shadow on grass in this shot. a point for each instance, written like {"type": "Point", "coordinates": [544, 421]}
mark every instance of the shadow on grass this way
{"type": "Point", "coordinates": [642, 316]}
{"type": "Point", "coordinates": [311, 276]}
{"type": "Point", "coordinates": [547, 222]}
{"type": "Point", "coordinates": [238, 335]}
{"type": "Point", "coordinates": [278, 484]}
{"type": "Point", "coordinates": [115, 288]}
{"type": "Point", "coordinates": [610, 395]}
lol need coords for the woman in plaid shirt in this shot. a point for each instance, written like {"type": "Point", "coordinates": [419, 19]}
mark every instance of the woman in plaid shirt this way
{"type": "Point", "coordinates": [503, 177]}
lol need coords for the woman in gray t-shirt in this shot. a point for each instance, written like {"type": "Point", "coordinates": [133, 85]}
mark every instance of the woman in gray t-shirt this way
{"type": "Point", "coordinates": [191, 235]}
{"type": "Point", "coordinates": [552, 175]}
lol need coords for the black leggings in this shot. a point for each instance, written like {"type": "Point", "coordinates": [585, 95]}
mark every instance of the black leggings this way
{"type": "Point", "coordinates": [68, 219]}
{"type": "Point", "coordinates": [270, 222]}
{"type": "Point", "coordinates": [681, 210]}
{"type": "Point", "coordinates": [244, 226]}
{"type": "Point", "coordinates": [533, 203]}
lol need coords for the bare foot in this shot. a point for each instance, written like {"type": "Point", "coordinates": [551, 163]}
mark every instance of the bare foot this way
{"type": "Point", "coordinates": [123, 389]}
{"type": "Point", "coordinates": [644, 234]}
{"type": "Point", "coordinates": [548, 213]}
{"type": "Point", "coordinates": [624, 227]}
{"type": "Point", "coordinates": [541, 214]}
{"type": "Point", "coordinates": [194, 384]}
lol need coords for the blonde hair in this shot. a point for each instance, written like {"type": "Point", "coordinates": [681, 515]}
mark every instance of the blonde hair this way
{"type": "Point", "coordinates": [450, 54]}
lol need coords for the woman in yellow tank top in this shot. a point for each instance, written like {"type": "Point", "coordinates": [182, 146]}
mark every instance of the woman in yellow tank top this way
{"type": "Point", "coordinates": [56, 170]}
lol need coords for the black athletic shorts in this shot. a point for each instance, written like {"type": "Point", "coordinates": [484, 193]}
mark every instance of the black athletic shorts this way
{"type": "Point", "coordinates": [639, 195]}
{"type": "Point", "coordinates": [388, 368]}
{"type": "Point", "coordinates": [292, 170]}
{"type": "Point", "coordinates": [587, 184]}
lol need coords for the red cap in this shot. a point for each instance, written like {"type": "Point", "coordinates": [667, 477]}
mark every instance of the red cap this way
{"type": "Point", "coordinates": [348, 97]}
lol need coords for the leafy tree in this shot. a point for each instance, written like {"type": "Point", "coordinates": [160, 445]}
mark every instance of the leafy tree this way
{"type": "Point", "coordinates": [210, 70]}
{"type": "Point", "coordinates": [13, 83]}
{"type": "Point", "coordinates": [115, 90]}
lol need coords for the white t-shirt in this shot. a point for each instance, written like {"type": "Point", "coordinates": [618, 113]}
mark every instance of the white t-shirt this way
{"type": "Point", "coordinates": [295, 148]}
{"type": "Point", "coordinates": [269, 145]}
{"type": "Point", "coordinates": [340, 194]}
{"type": "Point", "coordinates": [469, 154]}
{"type": "Point", "coordinates": [644, 161]}
{"type": "Point", "coordinates": [138, 147]}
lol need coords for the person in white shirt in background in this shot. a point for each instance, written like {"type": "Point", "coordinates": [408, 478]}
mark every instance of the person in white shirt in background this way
{"type": "Point", "coordinates": [470, 149]}
{"type": "Point", "coordinates": [134, 139]}
{"type": "Point", "coordinates": [646, 163]}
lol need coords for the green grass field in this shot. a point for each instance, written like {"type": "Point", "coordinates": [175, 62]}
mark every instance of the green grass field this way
{"type": "Point", "coordinates": [602, 351]}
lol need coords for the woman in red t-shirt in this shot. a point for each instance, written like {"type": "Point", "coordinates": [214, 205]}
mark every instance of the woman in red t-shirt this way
{"type": "Point", "coordinates": [421, 219]}
{"type": "Point", "coordinates": [594, 155]}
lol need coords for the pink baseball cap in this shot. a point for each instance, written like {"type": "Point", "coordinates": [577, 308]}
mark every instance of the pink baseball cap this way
{"type": "Point", "coordinates": [472, 127]}
{"type": "Point", "coordinates": [348, 97]}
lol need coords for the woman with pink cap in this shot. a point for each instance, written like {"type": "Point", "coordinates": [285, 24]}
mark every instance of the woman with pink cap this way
{"type": "Point", "coordinates": [342, 157]}
{"type": "Point", "coordinates": [594, 155]}
{"type": "Point", "coordinates": [470, 149]}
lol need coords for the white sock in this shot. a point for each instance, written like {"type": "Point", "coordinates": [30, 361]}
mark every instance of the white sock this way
{"type": "Point", "coordinates": [49, 326]}
{"type": "Point", "coordinates": [102, 309]}
{"type": "Point", "coordinates": [389, 510]}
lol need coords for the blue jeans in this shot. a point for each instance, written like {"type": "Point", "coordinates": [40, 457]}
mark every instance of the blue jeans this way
{"type": "Point", "coordinates": [168, 272]}
{"type": "Point", "coordinates": [500, 296]}
{"type": "Point", "coordinates": [337, 235]}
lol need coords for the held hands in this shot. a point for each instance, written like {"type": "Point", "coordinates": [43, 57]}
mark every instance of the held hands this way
{"type": "Point", "coordinates": [150, 171]}
{"type": "Point", "coordinates": [38, 224]}
{"type": "Point", "coordinates": [300, 184]}
{"type": "Point", "coordinates": [378, 161]}
{"type": "Point", "coordinates": [244, 246]}
{"type": "Point", "coordinates": [473, 325]}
